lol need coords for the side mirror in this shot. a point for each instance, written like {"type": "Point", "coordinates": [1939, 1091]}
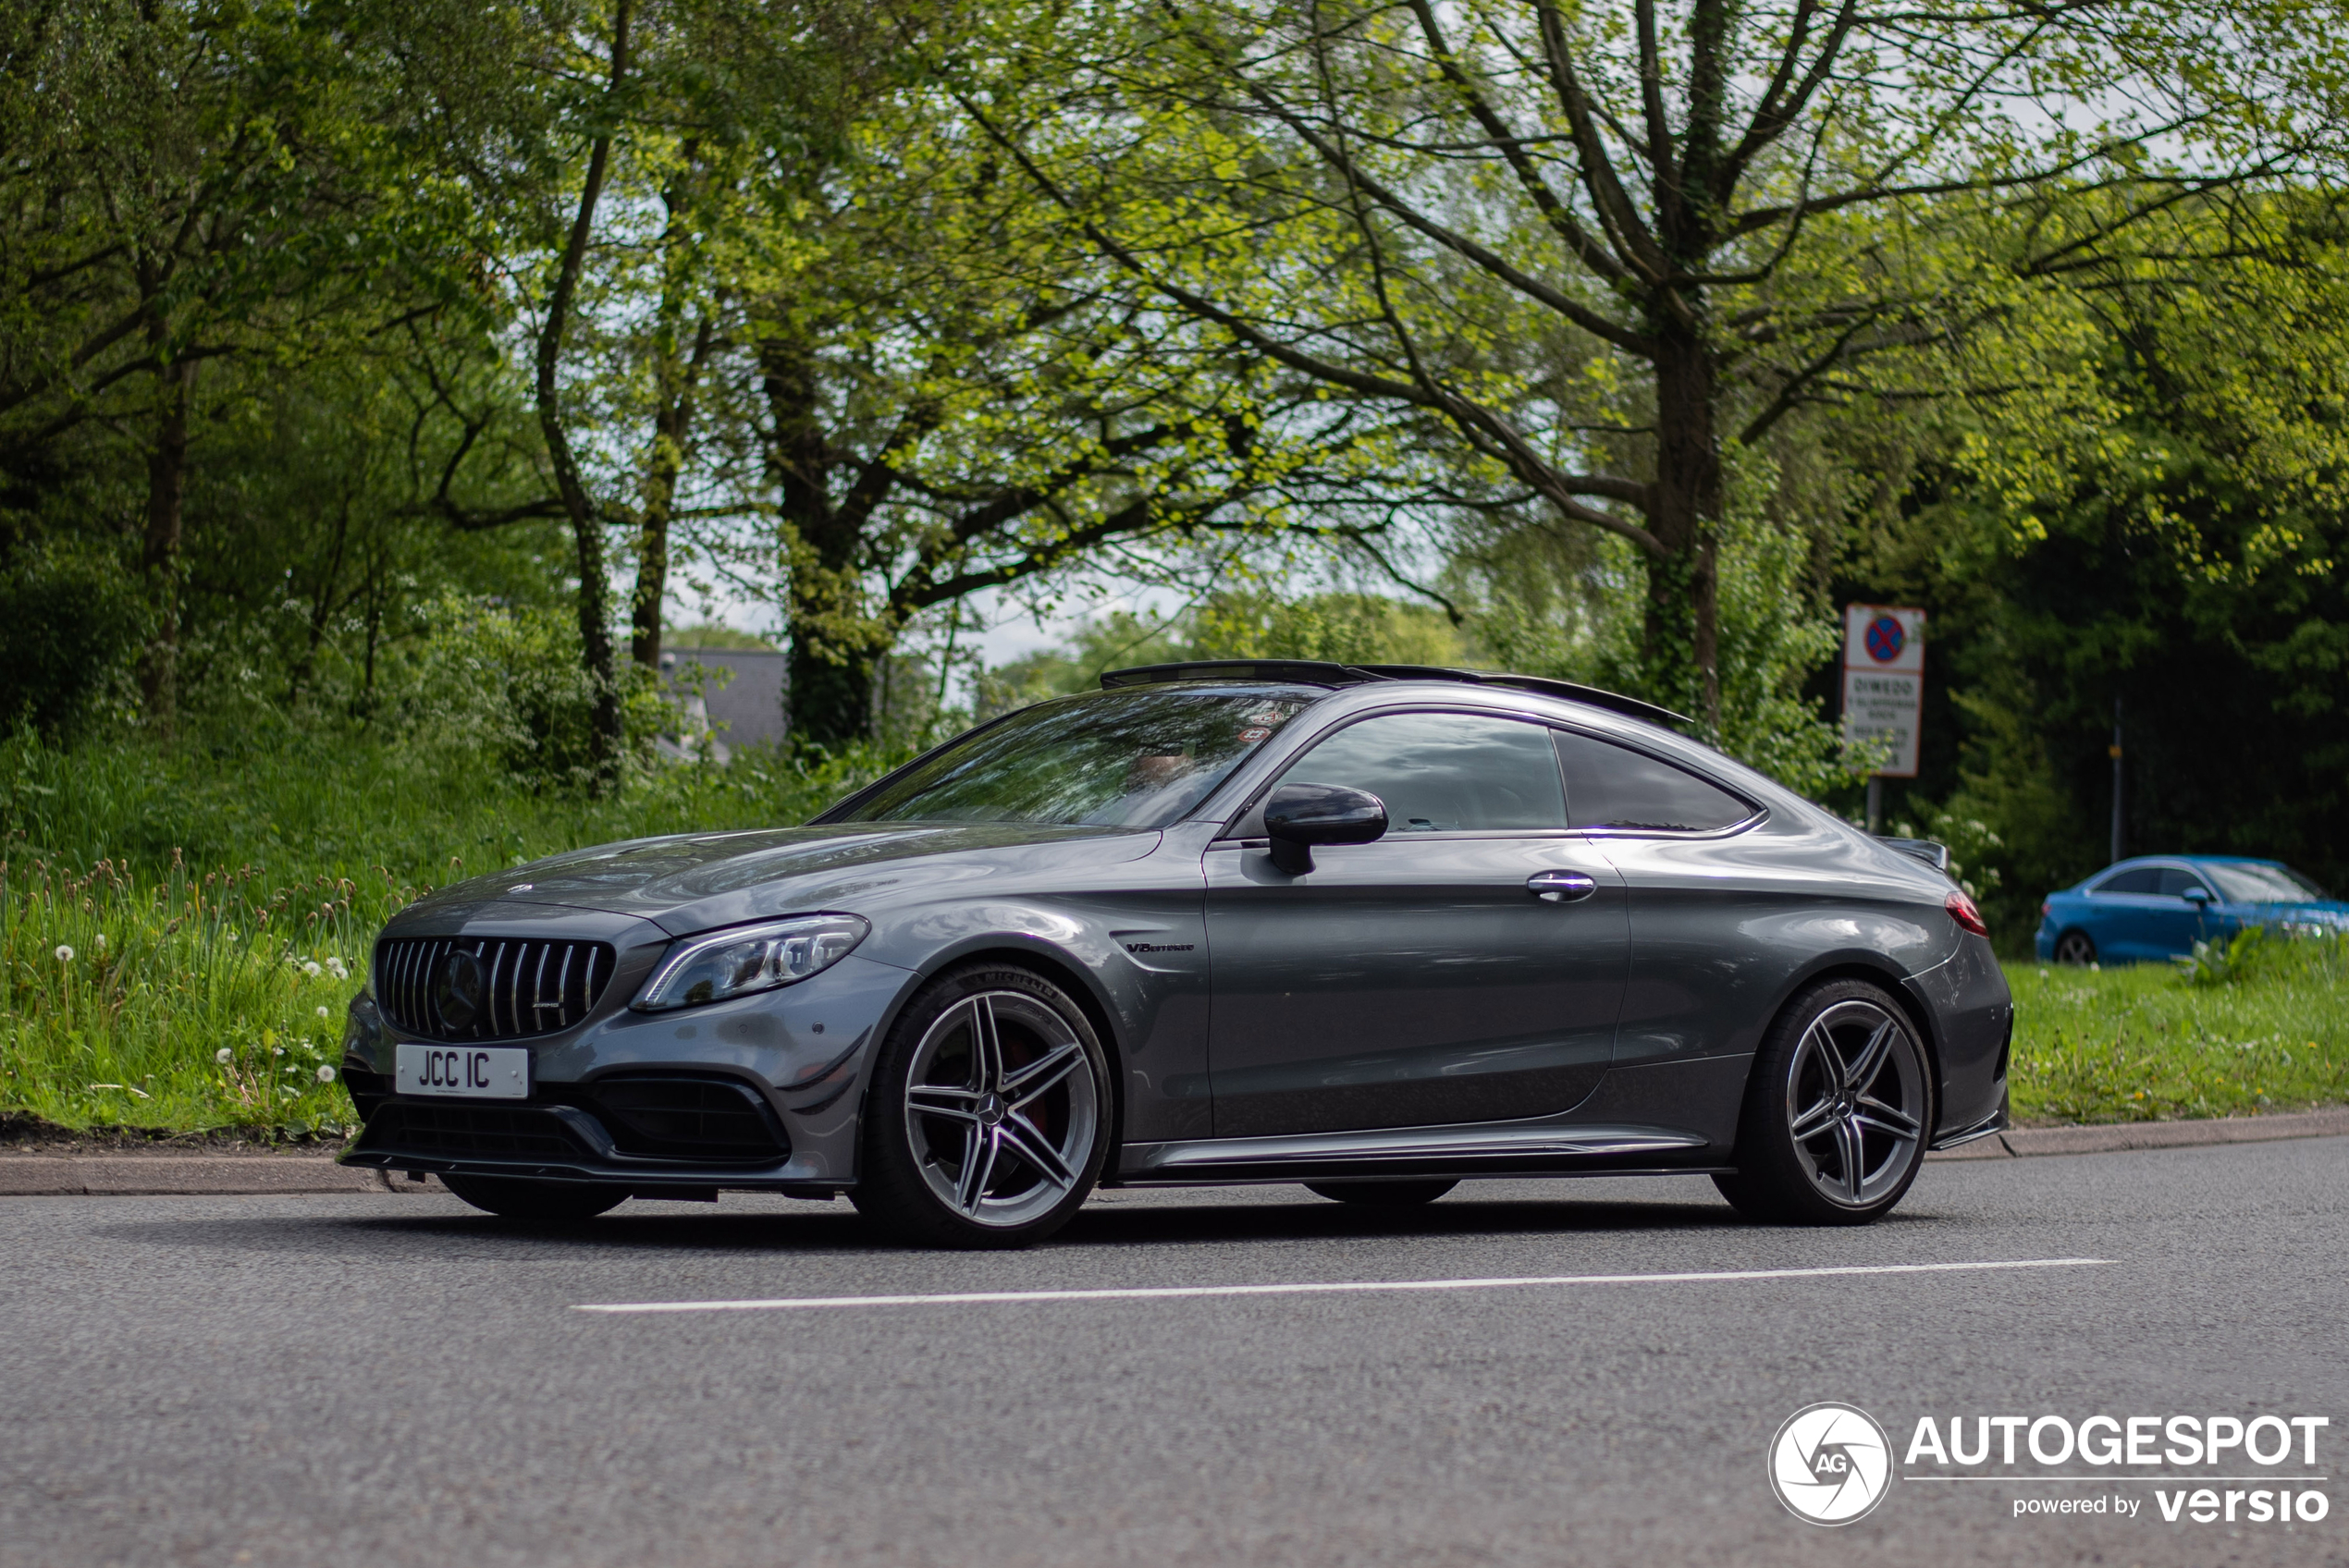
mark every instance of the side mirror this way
{"type": "Point", "coordinates": [1301, 816]}
{"type": "Point", "coordinates": [2197, 896]}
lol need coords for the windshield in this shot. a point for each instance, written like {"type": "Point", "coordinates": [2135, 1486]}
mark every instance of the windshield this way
{"type": "Point", "coordinates": [1136, 758]}
{"type": "Point", "coordinates": [2254, 884]}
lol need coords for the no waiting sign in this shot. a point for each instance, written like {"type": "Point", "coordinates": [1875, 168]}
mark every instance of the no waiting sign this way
{"type": "Point", "coordinates": [1884, 682]}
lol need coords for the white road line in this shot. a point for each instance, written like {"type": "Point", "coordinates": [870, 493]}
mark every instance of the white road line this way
{"type": "Point", "coordinates": [974, 1298]}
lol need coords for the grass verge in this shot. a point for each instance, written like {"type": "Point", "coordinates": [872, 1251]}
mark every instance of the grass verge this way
{"type": "Point", "coordinates": [2144, 1043]}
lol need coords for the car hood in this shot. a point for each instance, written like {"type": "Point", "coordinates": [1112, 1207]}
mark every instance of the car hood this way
{"type": "Point", "coordinates": [2332, 912]}
{"type": "Point", "coordinates": [693, 881]}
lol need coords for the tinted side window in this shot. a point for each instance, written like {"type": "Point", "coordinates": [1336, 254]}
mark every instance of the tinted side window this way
{"type": "Point", "coordinates": [2174, 882]}
{"type": "Point", "coordinates": [2144, 879]}
{"type": "Point", "coordinates": [1609, 785]}
{"type": "Point", "coordinates": [1444, 772]}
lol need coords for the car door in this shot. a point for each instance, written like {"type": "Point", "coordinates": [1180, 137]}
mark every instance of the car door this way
{"type": "Point", "coordinates": [1423, 978]}
{"type": "Point", "coordinates": [2180, 922]}
{"type": "Point", "coordinates": [2125, 914]}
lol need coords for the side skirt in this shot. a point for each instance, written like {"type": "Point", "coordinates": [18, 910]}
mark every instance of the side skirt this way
{"type": "Point", "coordinates": [1488, 1149]}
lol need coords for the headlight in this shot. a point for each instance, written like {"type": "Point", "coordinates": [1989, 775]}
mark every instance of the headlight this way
{"type": "Point", "coordinates": [742, 959]}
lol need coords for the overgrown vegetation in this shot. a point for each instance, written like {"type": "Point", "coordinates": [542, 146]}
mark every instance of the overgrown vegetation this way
{"type": "Point", "coordinates": [232, 902]}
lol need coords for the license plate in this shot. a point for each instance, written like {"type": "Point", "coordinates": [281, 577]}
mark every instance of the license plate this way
{"type": "Point", "coordinates": [481, 1072]}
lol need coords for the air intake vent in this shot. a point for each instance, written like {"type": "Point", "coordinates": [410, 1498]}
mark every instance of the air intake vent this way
{"type": "Point", "coordinates": [458, 1132]}
{"type": "Point", "coordinates": [488, 988]}
{"type": "Point", "coordinates": [698, 1119]}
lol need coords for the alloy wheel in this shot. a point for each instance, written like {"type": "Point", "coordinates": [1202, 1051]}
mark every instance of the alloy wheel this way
{"type": "Point", "coordinates": [2074, 946]}
{"type": "Point", "coordinates": [1001, 1109]}
{"type": "Point", "coordinates": [1855, 1103]}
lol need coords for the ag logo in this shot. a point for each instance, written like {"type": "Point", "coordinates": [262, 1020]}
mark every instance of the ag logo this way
{"type": "Point", "coordinates": [1831, 1463]}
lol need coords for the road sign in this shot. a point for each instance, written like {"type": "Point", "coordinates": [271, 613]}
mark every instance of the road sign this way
{"type": "Point", "coordinates": [1884, 682]}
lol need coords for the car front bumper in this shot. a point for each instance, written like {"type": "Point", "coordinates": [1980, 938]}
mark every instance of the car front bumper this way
{"type": "Point", "coordinates": [760, 1094]}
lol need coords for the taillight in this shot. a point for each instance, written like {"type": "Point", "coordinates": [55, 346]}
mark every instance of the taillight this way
{"type": "Point", "coordinates": [1961, 909]}
{"type": "Point", "coordinates": [2046, 908]}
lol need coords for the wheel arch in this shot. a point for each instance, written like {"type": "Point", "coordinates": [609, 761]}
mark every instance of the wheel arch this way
{"type": "Point", "coordinates": [1895, 983]}
{"type": "Point", "coordinates": [1071, 975]}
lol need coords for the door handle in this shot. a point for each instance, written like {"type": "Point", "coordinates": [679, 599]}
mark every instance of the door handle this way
{"type": "Point", "coordinates": [1560, 887]}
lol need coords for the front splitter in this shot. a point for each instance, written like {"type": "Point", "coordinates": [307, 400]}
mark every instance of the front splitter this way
{"type": "Point", "coordinates": [677, 1178]}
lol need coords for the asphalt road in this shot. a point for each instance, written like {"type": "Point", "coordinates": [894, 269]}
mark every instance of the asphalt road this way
{"type": "Point", "coordinates": [393, 1381]}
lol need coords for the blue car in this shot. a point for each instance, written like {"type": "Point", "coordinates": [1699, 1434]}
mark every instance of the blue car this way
{"type": "Point", "coordinates": [2158, 906]}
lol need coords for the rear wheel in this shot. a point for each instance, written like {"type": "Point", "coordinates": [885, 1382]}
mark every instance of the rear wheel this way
{"type": "Point", "coordinates": [2076, 948]}
{"type": "Point", "coordinates": [1837, 1111]}
{"type": "Point", "coordinates": [1381, 1195]}
{"type": "Point", "coordinates": [545, 1203]}
{"type": "Point", "coordinates": [990, 1112]}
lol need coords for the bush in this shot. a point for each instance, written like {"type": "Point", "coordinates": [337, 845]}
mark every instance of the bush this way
{"type": "Point", "coordinates": [503, 687]}
{"type": "Point", "coordinates": [69, 622]}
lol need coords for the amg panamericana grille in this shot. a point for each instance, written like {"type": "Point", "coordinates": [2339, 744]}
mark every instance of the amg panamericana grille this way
{"type": "Point", "coordinates": [525, 985]}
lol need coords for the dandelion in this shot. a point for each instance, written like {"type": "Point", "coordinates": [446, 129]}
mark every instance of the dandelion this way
{"type": "Point", "coordinates": [222, 1056]}
{"type": "Point", "coordinates": [101, 942]}
{"type": "Point", "coordinates": [325, 1074]}
{"type": "Point", "coordinates": [311, 970]}
{"type": "Point", "coordinates": [324, 1013]}
{"type": "Point", "coordinates": [64, 954]}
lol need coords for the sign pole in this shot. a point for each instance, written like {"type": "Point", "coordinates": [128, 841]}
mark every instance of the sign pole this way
{"type": "Point", "coordinates": [2117, 837]}
{"type": "Point", "coordinates": [1883, 691]}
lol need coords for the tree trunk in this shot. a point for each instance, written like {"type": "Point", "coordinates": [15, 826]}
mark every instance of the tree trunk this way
{"type": "Point", "coordinates": [1682, 631]}
{"type": "Point", "coordinates": [674, 376]}
{"type": "Point", "coordinates": [587, 523]}
{"type": "Point", "coordinates": [167, 493]}
{"type": "Point", "coordinates": [672, 422]}
{"type": "Point", "coordinates": [834, 645]}
{"type": "Point", "coordinates": [322, 607]}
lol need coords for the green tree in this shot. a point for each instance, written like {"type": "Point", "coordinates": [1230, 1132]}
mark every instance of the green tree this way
{"type": "Point", "coordinates": [920, 387]}
{"type": "Point", "coordinates": [1604, 249]}
{"type": "Point", "coordinates": [2169, 537]}
{"type": "Point", "coordinates": [193, 197]}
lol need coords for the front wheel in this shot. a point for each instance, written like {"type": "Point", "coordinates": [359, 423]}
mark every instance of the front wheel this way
{"type": "Point", "coordinates": [543, 1202]}
{"type": "Point", "coordinates": [1380, 1195]}
{"type": "Point", "coordinates": [1837, 1111]}
{"type": "Point", "coordinates": [989, 1115]}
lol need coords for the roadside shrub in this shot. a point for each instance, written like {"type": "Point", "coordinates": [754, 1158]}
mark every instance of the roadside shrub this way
{"type": "Point", "coordinates": [2227, 963]}
{"type": "Point", "coordinates": [69, 621]}
{"type": "Point", "coordinates": [501, 687]}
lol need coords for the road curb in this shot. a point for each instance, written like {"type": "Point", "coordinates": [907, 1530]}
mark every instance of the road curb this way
{"type": "Point", "coordinates": [2027, 1141]}
{"type": "Point", "coordinates": [192, 1175]}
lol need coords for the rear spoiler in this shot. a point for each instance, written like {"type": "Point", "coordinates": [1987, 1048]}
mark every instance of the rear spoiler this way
{"type": "Point", "coordinates": [1933, 854]}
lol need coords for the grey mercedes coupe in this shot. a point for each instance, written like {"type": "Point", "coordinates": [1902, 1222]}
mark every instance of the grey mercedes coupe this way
{"type": "Point", "coordinates": [1371, 929]}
